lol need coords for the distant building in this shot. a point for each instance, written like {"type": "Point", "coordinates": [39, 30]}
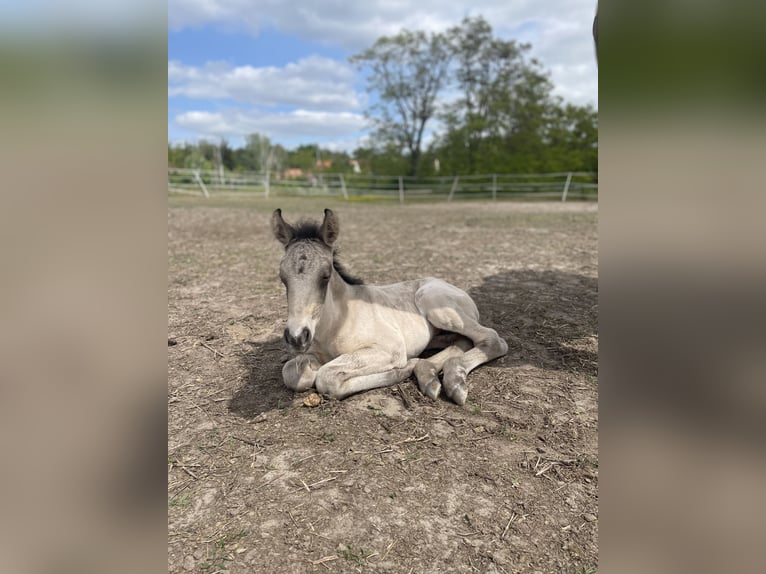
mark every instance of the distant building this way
{"type": "Point", "coordinates": [293, 172]}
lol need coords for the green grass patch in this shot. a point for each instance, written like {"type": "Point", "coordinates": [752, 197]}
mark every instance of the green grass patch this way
{"type": "Point", "coordinates": [181, 501]}
{"type": "Point", "coordinates": [355, 555]}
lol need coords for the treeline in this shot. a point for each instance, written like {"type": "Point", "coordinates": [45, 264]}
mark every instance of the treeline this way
{"type": "Point", "coordinates": [257, 154]}
{"type": "Point", "coordinates": [489, 106]}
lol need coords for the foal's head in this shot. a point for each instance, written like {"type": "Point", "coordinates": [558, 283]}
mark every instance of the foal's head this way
{"type": "Point", "coordinates": [305, 270]}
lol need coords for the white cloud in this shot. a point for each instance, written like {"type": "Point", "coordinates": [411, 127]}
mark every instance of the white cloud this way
{"type": "Point", "coordinates": [560, 30]}
{"type": "Point", "coordinates": [321, 91]}
{"type": "Point", "coordinates": [346, 144]}
{"type": "Point", "coordinates": [312, 82]}
{"type": "Point", "coordinates": [567, 50]}
{"type": "Point", "coordinates": [279, 126]}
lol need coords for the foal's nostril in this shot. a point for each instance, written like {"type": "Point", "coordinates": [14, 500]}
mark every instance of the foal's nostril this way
{"type": "Point", "coordinates": [299, 342]}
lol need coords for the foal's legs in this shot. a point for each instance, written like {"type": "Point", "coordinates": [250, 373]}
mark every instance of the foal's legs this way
{"type": "Point", "coordinates": [451, 309]}
{"type": "Point", "coordinates": [489, 346]}
{"type": "Point", "coordinates": [361, 370]}
{"type": "Point", "coordinates": [300, 373]}
{"type": "Point", "coordinates": [427, 370]}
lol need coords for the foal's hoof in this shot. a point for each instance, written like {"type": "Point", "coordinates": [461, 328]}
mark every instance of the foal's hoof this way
{"type": "Point", "coordinates": [454, 381]}
{"type": "Point", "coordinates": [428, 379]}
{"type": "Point", "coordinates": [459, 395]}
{"type": "Point", "coordinates": [433, 389]}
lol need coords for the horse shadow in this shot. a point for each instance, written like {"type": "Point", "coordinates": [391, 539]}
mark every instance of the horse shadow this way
{"type": "Point", "coordinates": [549, 319]}
{"type": "Point", "coordinates": [262, 389]}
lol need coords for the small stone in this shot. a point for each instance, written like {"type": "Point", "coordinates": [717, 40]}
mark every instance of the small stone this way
{"type": "Point", "coordinates": [189, 563]}
{"type": "Point", "coordinates": [589, 517]}
{"type": "Point", "coordinates": [312, 400]}
{"type": "Point", "coordinates": [199, 554]}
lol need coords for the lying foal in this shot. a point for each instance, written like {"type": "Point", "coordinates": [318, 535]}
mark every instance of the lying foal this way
{"type": "Point", "coordinates": [350, 337]}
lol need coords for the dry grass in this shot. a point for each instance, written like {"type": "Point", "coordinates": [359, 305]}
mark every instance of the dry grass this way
{"type": "Point", "coordinates": [385, 481]}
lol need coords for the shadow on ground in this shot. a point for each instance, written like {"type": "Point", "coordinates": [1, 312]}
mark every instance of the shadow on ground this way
{"type": "Point", "coordinates": [549, 318]}
{"type": "Point", "coordinates": [263, 389]}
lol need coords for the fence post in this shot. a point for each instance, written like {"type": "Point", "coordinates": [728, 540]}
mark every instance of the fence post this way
{"type": "Point", "coordinates": [566, 187]}
{"type": "Point", "coordinates": [454, 187]}
{"type": "Point", "coordinates": [401, 189]}
{"type": "Point", "coordinates": [201, 183]}
{"type": "Point", "coordinates": [494, 187]}
{"type": "Point", "coordinates": [267, 182]}
{"type": "Point", "coordinates": [343, 187]}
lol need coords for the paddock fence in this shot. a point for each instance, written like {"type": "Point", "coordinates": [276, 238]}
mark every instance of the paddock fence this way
{"type": "Point", "coordinates": [561, 186]}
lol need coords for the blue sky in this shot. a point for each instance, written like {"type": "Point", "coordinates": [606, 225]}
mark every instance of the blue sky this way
{"type": "Point", "coordinates": [281, 68]}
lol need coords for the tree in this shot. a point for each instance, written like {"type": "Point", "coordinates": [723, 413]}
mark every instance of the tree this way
{"type": "Point", "coordinates": [571, 135]}
{"type": "Point", "coordinates": [303, 157]}
{"type": "Point", "coordinates": [408, 71]}
{"type": "Point", "coordinates": [502, 92]}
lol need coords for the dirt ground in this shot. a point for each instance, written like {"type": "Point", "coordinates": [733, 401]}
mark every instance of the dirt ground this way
{"type": "Point", "coordinates": [387, 480]}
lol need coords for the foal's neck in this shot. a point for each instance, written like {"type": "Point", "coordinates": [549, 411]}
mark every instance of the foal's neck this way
{"type": "Point", "coordinates": [336, 301]}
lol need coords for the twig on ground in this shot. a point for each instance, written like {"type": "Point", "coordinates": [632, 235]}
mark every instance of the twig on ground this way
{"type": "Point", "coordinates": [187, 471]}
{"type": "Point", "coordinates": [305, 458]}
{"type": "Point", "coordinates": [290, 514]}
{"type": "Point", "coordinates": [388, 548]}
{"type": "Point", "coordinates": [507, 526]}
{"type": "Point", "coordinates": [412, 439]}
{"type": "Point", "coordinates": [323, 560]}
{"type": "Point", "coordinates": [405, 400]}
{"type": "Point", "coordinates": [270, 481]}
{"type": "Point", "coordinates": [322, 481]}
{"type": "Point", "coordinates": [244, 440]}
{"type": "Point", "coordinates": [204, 344]}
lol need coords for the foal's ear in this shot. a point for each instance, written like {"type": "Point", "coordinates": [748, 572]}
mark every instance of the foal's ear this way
{"type": "Point", "coordinates": [283, 231]}
{"type": "Point", "coordinates": [330, 227]}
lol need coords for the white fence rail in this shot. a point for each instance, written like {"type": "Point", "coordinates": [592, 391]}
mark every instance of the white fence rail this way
{"type": "Point", "coordinates": [562, 186]}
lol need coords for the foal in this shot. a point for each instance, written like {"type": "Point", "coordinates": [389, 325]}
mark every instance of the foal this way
{"type": "Point", "coordinates": [350, 337]}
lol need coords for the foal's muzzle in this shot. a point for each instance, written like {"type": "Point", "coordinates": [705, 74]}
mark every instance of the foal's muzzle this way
{"type": "Point", "coordinates": [300, 342]}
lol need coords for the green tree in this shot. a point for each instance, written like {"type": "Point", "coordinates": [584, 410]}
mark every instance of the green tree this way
{"type": "Point", "coordinates": [303, 157]}
{"type": "Point", "coordinates": [408, 71]}
{"type": "Point", "coordinates": [382, 160]}
{"type": "Point", "coordinates": [503, 95]}
{"type": "Point", "coordinates": [571, 136]}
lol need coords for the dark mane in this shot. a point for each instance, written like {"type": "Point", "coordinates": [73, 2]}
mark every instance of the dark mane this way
{"type": "Point", "coordinates": [350, 279]}
{"type": "Point", "coordinates": [308, 230]}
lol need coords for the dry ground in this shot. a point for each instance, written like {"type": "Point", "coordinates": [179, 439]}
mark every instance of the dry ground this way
{"type": "Point", "coordinates": [385, 481]}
